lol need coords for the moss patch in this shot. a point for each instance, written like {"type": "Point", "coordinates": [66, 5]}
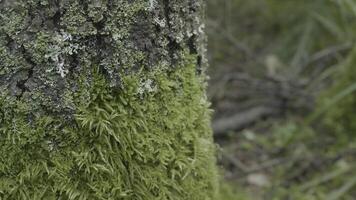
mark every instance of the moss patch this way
{"type": "Point", "coordinates": [150, 139]}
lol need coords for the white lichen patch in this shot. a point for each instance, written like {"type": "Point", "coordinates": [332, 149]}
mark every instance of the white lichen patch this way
{"type": "Point", "coordinates": [146, 86]}
{"type": "Point", "coordinates": [117, 36]}
{"type": "Point", "coordinates": [50, 145]}
{"type": "Point", "coordinates": [160, 22]}
{"type": "Point", "coordinates": [201, 28]}
{"type": "Point", "coordinates": [63, 36]}
{"type": "Point", "coordinates": [152, 5]}
{"type": "Point", "coordinates": [60, 67]}
{"type": "Point", "coordinates": [63, 46]}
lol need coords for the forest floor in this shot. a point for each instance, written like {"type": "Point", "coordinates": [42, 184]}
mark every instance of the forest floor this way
{"type": "Point", "coordinates": [273, 66]}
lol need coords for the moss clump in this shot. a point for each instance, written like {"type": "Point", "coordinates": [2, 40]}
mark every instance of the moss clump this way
{"type": "Point", "coordinates": [148, 140]}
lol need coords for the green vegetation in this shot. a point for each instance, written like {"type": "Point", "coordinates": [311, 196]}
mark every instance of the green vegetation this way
{"type": "Point", "coordinates": [303, 155]}
{"type": "Point", "coordinates": [148, 140]}
{"type": "Point", "coordinates": [339, 102]}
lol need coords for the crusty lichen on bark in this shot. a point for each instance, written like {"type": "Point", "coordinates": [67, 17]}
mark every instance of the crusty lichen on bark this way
{"type": "Point", "coordinates": [45, 46]}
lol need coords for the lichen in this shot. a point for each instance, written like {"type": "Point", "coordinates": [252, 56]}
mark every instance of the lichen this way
{"type": "Point", "coordinates": [152, 5]}
{"type": "Point", "coordinates": [46, 46]}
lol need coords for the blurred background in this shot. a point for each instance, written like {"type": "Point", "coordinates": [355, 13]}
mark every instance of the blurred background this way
{"type": "Point", "coordinates": [283, 87]}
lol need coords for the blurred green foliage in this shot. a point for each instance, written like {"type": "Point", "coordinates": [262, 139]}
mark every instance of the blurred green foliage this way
{"type": "Point", "coordinates": [313, 158]}
{"type": "Point", "coordinates": [245, 32]}
{"type": "Point", "coordinates": [339, 102]}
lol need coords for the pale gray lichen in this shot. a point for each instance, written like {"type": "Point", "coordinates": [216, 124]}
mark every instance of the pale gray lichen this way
{"type": "Point", "coordinates": [160, 22]}
{"type": "Point", "coordinates": [152, 5]}
{"type": "Point", "coordinates": [63, 46]}
{"type": "Point", "coordinates": [146, 86]}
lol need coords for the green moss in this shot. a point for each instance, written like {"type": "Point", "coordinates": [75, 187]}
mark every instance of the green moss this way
{"type": "Point", "coordinates": [148, 140]}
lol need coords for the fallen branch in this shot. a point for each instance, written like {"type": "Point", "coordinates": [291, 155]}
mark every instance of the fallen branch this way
{"type": "Point", "coordinates": [241, 119]}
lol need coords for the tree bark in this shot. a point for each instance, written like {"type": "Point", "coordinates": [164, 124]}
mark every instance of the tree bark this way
{"type": "Point", "coordinates": [104, 99]}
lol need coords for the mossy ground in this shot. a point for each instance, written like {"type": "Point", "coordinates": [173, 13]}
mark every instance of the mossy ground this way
{"type": "Point", "coordinates": [315, 154]}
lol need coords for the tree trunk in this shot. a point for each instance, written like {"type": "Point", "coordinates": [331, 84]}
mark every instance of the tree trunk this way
{"type": "Point", "coordinates": [104, 99]}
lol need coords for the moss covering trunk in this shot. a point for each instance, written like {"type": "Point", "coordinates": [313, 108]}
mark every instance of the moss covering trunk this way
{"type": "Point", "coordinates": [104, 99]}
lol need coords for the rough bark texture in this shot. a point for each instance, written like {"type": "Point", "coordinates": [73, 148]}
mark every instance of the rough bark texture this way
{"type": "Point", "coordinates": [104, 99]}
